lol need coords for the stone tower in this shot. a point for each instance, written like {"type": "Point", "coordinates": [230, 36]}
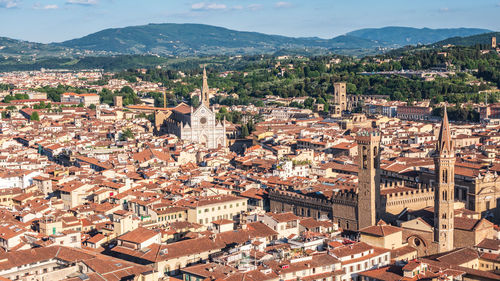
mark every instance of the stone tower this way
{"type": "Point", "coordinates": [205, 96]}
{"type": "Point", "coordinates": [340, 95]}
{"type": "Point", "coordinates": [118, 101]}
{"type": "Point", "coordinates": [444, 163]}
{"type": "Point", "coordinates": [494, 42]}
{"type": "Point", "coordinates": [368, 178]}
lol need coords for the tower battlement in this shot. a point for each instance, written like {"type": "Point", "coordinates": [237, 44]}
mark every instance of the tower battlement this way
{"type": "Point", "coordinates": [367, 136]}
{"type": "Point", "coordinates": [410, 194]}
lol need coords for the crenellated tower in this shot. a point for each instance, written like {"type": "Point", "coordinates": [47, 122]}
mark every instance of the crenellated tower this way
{"type": "Point", "coordinates": [444, 163]}
{"type": "Point", "coordinates": [368, 178]}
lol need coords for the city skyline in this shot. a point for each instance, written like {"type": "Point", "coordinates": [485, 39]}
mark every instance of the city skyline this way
{"type": "Point", "coordinates": [60, 20]}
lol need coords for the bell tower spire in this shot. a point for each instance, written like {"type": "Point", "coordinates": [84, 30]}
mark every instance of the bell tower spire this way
{"type": "Point", "coordinates": [205, 99]}
{"type": "Point", "coordinates": [444, 192]}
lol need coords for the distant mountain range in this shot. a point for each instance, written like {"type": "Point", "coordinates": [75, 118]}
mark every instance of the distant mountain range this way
{"type": "Point", "coordinates": [402, 36]}
{"type": "Point", "coordinates": [199, 40]}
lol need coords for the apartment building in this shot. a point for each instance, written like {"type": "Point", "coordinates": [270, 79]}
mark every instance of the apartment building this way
{"type": "Point", "coordinates": [85, 99]}
{"type": "Point", "coordinates": [205, 210]}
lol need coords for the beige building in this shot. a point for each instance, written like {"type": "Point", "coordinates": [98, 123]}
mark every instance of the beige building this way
{"type": "Point", "coordinates": [124, 222]}
{"type": "Point", "coordinates": [286, 224]}
{"type": "Point", "coordinates": [358, 257]}
{"type": "Point", "coordinates": [85, 99]}
{"type": "Point", "coordinates": [170, 258]}
{"type": "Point", "coordinates": [205, 210]}
{"type": "Point", "coordinates": [74, 194]}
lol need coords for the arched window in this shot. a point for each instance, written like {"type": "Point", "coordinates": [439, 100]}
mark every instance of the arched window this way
{"type": "Point", "coordinates": [445, 176]}
{"type": "Point", "coordinates": [365, 158]}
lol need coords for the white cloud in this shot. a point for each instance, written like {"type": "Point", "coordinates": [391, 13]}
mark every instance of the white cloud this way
{"type": "Point", "coordinates": [8, 4]}
{"type": "Point", "coordinates": [82, 2]}
{"type": "Point", "coordinates": [254, 7]}
{"type": "Point", "coordinates": [444, 10]}
{"type": "Point", "coordinates": [38, 6]}
{"type": "Point", "coordinates": [202, 6]}
{"type": "Point", "coordinates": [283, 4]}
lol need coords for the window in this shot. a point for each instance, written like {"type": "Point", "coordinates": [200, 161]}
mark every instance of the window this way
{"type": "Point", "coordinates": [445, 176]}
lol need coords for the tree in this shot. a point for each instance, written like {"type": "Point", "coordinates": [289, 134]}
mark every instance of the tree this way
{"type": "Point", "coordinates": [34, 116]}
{"type": "Point", "coordinates": [244, 131]}
{"type": "Point", "coordinates": [92, 106]}
{"type": "Point", "coordinates": [195, 101]}
{"type": "Point", "coordinates": [308, 103]}
{"type": "Point", "coordinates": [126, 134]}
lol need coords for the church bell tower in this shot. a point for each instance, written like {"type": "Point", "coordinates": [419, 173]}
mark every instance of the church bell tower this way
{"type": "Point", "coordinates": [444, 163]}
{"type": "Point", "coordinates": [205, 96]}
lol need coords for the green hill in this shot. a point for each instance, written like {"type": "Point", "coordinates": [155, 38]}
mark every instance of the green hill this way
{"type": "Point", "coordinates": [402, 36]}
{"type": "Point", "coordinates": [22, 49]}
{"type": "Point", "coordinates": [199, 39]}
{"type": "Point", "coordinates": [484, 38]}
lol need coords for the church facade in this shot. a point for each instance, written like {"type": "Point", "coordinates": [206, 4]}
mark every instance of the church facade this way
{"type": "Point", "coordinates": [196, 125]}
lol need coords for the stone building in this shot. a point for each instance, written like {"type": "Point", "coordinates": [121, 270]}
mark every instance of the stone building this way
{"type": "Point", "coordinates": [339, 98]}
{"type": "Point", "coordinates": [118, 101]}
{"type": "Point", "coordinates": [197, 125]}
{"type": "Point", "coordinates": [368, 178]}
{"type": "Point", "coordinates": [444, 227]}
{"type": "Point", "coordinates": [349, 208]}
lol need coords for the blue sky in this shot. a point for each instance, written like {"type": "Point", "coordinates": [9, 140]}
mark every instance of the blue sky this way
{"type": "Point", "coordinates": [59, 20]}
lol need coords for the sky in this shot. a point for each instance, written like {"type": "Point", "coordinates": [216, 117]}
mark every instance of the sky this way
{"type": "Point", "coordinates": [59, 20]}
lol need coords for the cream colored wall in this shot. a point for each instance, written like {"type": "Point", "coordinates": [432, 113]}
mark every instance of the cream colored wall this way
{"type": "Point", "coordinates": [206, 214]}
{"type": "Point", "coordinates": [46, 227]}
{"type": "Point", "coordinates": [392, 241]}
